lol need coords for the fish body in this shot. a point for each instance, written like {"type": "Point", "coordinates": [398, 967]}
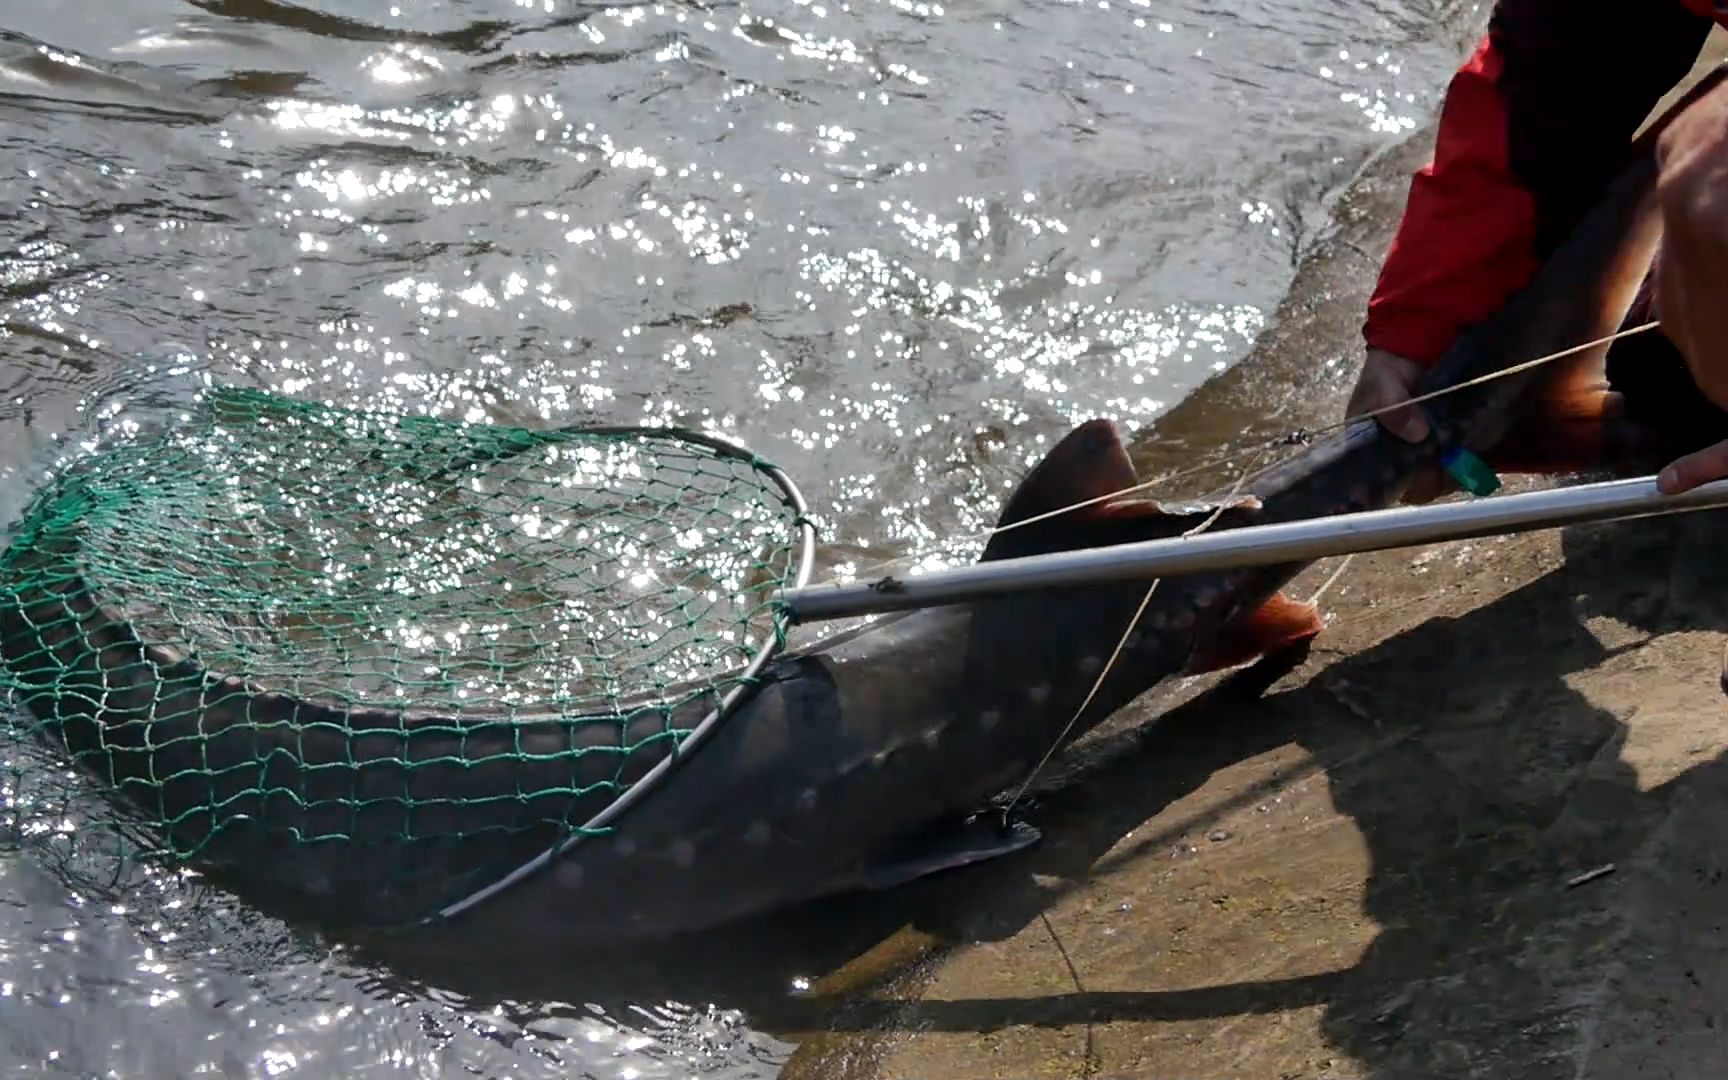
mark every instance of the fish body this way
{"type": "Point", "coordinates": [854, 762]}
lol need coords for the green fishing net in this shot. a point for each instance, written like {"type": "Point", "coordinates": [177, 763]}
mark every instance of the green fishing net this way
{"type": "Point", "coordinates": [427, 650]}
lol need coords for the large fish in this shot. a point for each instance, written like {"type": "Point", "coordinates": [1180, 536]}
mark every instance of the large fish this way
{"type": "Point", "coordinates": [858, 761]}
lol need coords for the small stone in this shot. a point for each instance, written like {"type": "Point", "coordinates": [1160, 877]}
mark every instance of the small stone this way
{"type": "Point", "coordinates": [1218, 836]}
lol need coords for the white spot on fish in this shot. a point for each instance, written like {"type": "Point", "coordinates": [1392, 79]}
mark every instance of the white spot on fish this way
{"type": "Point", "coordinates": [807, 801]}
{"type": "Point", "coordinates": [625, 846]}
{"type": "Point", "coordinates": [1134, 640]}
{"type": "Point", "coordinates": [1090, 664]}
{"type": "Point", "coordinates": [989, 718]}
{"type": "Point", "coordinates": [683, 854]}
{"type": "Point", "coordinates": [933, 737]}
{"type": "Point", "coordinates": [757, 834]}
{"type": "Point", "coordinates": [1204, 596]}
{"type": "Point", "coordinates": [1039, 694]}
{"type": "Point", "coordinates": [880, 757]}
{"type": "Point", "coordinates": [569, 875]}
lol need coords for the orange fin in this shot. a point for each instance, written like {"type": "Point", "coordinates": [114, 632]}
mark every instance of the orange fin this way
{"type": "Point", "coordinates": [1269, 629]}
{"type": "Point", "coordinates": [1570, 422]}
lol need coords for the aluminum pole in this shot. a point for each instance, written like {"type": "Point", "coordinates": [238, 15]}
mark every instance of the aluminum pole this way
{"type": "Point", "coordinates": [1256, 545]}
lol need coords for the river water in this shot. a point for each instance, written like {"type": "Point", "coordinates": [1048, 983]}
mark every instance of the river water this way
{"type": "Point", "coordinates": [894, 245]}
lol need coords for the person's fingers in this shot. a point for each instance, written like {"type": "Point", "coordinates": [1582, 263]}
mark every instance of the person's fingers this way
{"type": "Point", "coordinates": [1408, 423]}
{"type": "Point", "coordinates": [1387, 381]}
{"type": "Point", "coordinates": [1700, 467]}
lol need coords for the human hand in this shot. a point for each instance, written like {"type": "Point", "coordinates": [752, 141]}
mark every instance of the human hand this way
{"type": "Point", "coordinates": [1698, 467]}
{"type": "Point", "coordinates": [1386, 380]}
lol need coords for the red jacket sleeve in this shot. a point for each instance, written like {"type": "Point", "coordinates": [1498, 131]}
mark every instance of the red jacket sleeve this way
{"type": "Point", "coordinates": [1532, 128]}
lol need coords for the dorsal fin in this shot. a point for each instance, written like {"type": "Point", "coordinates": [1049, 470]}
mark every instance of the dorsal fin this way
{"type": "Point", "coordinates": [1090, 463]}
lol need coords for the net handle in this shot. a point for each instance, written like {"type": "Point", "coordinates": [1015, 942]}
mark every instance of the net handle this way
{"type": "Point", "coordinates": [729, 702]}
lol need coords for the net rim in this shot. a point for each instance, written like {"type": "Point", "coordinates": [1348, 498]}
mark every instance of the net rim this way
{"type": "Point", "coordinates": [773, 643]}
{"type": "Point", "coordinates": [800, 541]}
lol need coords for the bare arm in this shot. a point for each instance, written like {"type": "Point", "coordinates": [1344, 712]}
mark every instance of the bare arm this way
{"type": "Point", "coordinates": [1692, 271]}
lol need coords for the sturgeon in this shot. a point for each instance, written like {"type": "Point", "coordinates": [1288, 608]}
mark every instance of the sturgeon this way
{"type": "Point", "coordinates": [856, 762]}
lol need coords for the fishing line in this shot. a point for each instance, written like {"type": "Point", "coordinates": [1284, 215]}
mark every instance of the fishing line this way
{"type": "Point", "coordinates": [1501, 374]}
{"type": "Point", "coordinates": [1103, 673]}
{"type": "Point", "coordinates": [1297, 436]}
{"type": "Point", "coordinates": [1326, 586]}
{"type": "Point", "coordinates": [1116, 653]}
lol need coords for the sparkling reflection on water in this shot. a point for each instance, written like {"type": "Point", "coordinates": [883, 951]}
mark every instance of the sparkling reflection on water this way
{"type": "Point", "coordinates": [895, 245]}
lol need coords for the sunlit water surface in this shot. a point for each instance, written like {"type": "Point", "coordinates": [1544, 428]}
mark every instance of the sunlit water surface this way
{"type": "Point", "coordinates": [897, 246]}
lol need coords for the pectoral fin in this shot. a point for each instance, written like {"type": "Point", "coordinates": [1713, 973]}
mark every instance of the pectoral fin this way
{"type": "Point", "coordinates": [1271, 628]}
{"type": "Point", "coordinates": [948, 847]}
{"type": "Point", "coordinates": [1572, 422]}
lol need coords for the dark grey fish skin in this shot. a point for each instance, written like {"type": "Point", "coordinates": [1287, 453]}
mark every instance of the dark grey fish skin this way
{"type": "Point", "coordinates": [847, 764]}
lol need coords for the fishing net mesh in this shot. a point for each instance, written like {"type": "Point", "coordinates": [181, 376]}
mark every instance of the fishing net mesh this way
{"type": "Point", "coordinates": [324, 626]}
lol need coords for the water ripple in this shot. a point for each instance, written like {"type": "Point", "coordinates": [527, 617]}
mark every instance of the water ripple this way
{"type": "Point", "coordinates": [897, 245]}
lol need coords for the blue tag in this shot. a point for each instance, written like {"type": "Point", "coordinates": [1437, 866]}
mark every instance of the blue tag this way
{"type": "Point", "coordinates": [1470, 471]}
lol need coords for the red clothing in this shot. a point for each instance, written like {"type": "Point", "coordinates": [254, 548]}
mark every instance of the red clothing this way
{"type": "Point", "coordinates": [1533, 127]}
